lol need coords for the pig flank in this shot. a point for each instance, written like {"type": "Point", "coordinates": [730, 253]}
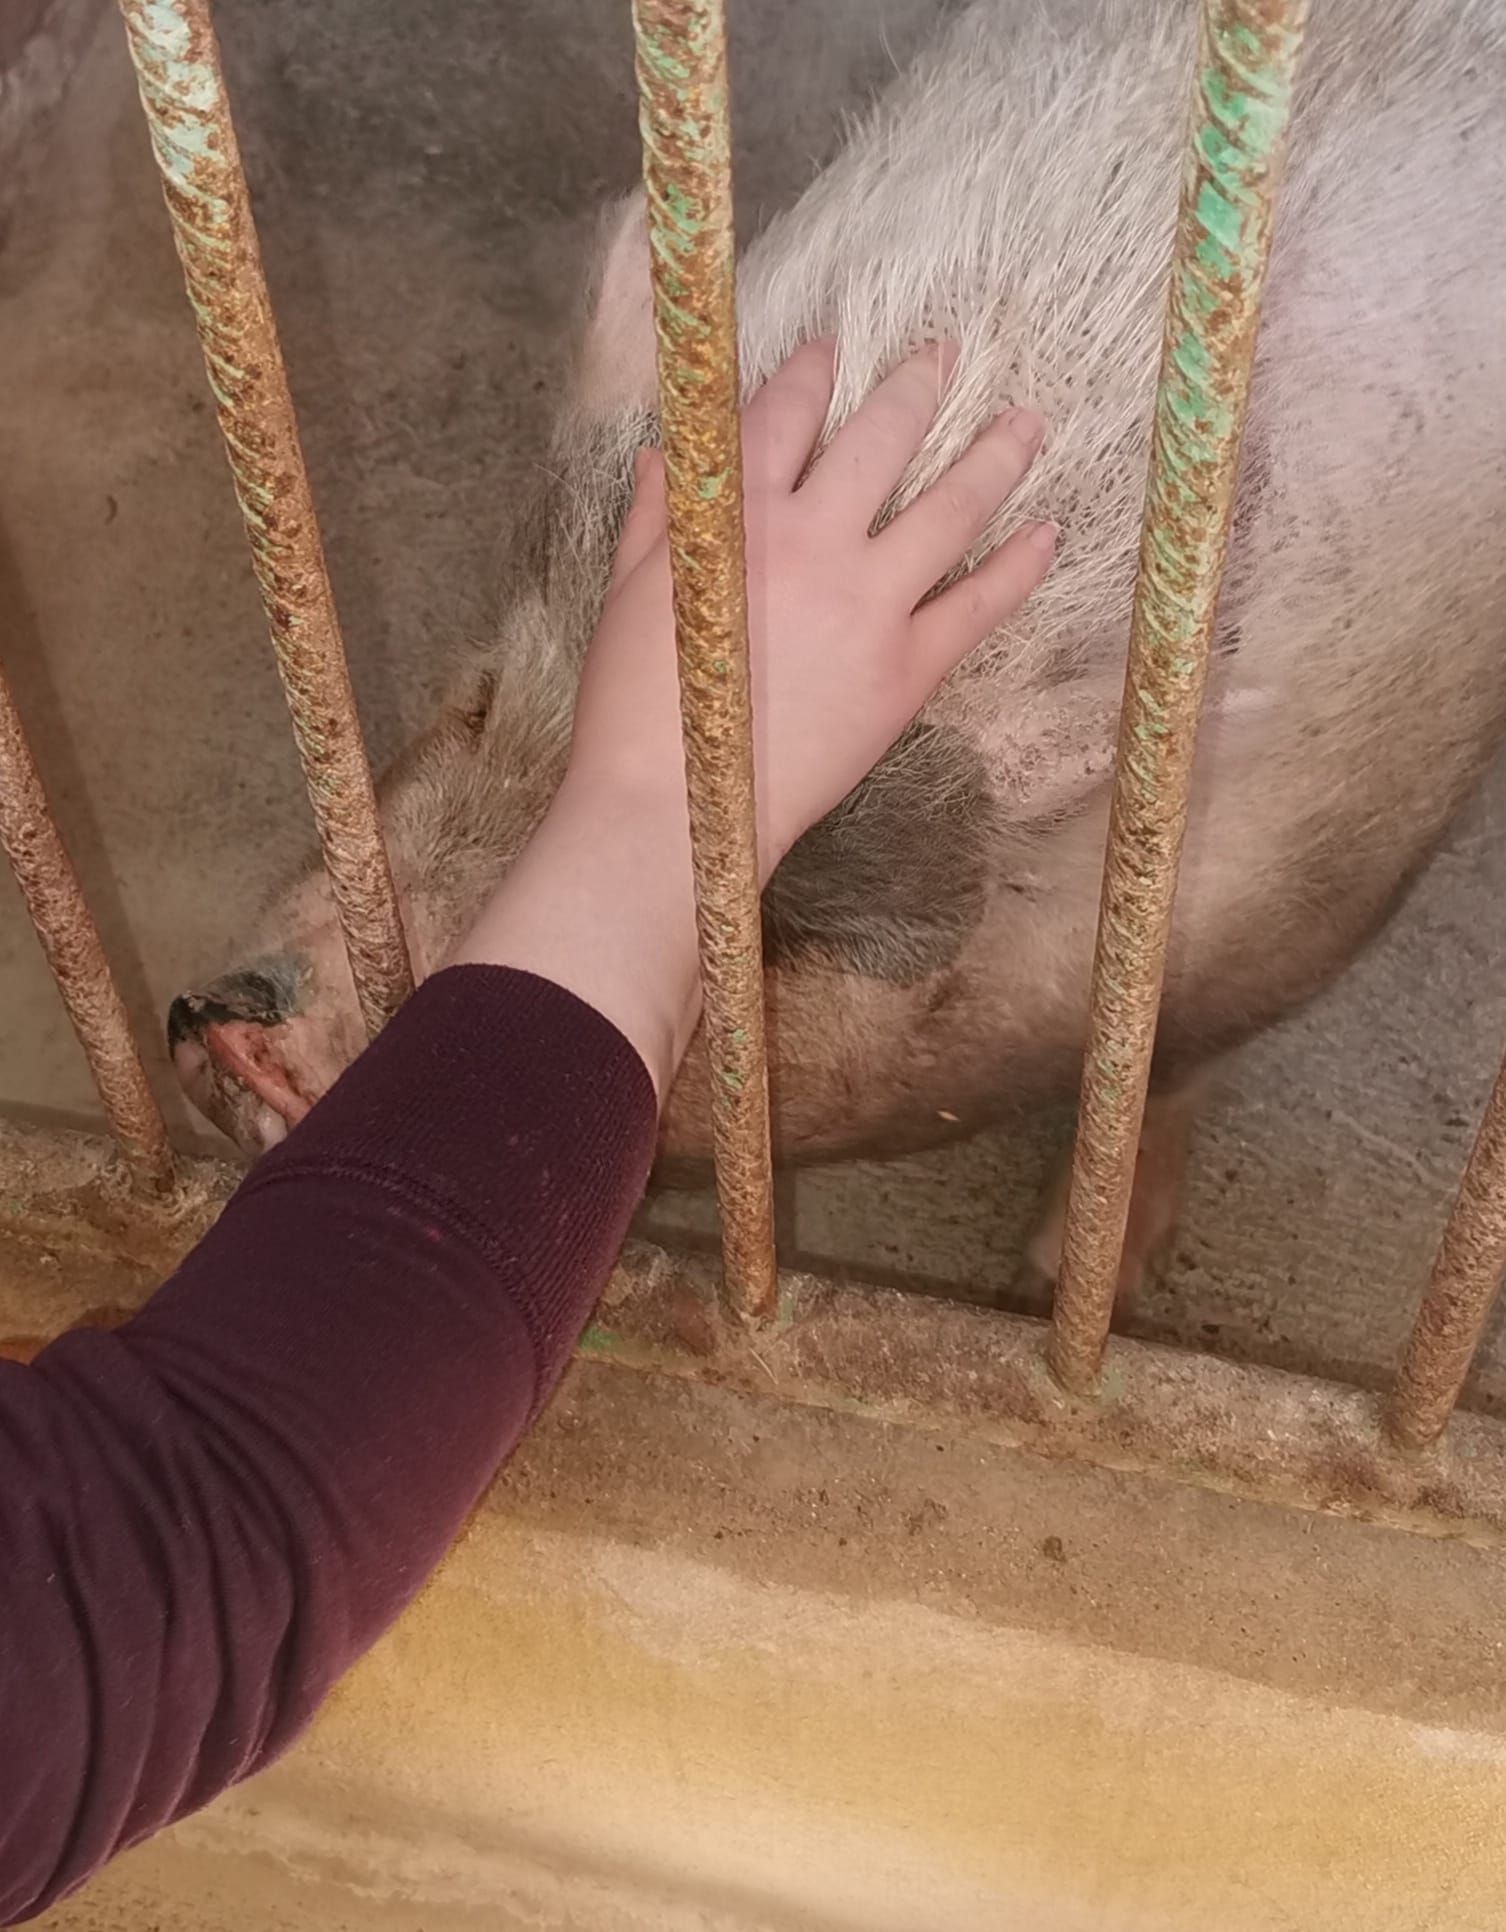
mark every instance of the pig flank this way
{"type": "Point", "coordinates": [929, 944]}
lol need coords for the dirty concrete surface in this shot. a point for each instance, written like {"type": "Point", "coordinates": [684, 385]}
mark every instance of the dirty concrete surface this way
{"type": "Point", "coordinates": [701, 1664]}
{"type": "Point", "coordinates": [426, 183]}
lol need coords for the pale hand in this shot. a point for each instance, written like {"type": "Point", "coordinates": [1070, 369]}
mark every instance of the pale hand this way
{"type": "Point", "coordinates": [841, 657]}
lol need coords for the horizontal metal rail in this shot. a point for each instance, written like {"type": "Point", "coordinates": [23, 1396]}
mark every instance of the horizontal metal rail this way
{"type": "Point", "coordinates": [188, 112]}
{"type": "Point", "coordinates": [687, 171]}
{"type": "Point", "coordinates": [1246, 60]}
{"type": "Point", "coordinates": [1464, 1282]}
{"type": "Point", "coordinates": [71, 941]}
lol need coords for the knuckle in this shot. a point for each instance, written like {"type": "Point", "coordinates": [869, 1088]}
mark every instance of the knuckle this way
{"type": "Point", "coordinates": [816, 361]}
{"type": "Point", "coordinates": [920, 383]}
{"type": "Point", "coordinates": [1010, 450]}
{"type": "Point", "coordinates": [976, 604]}
{"type": "Point", "coordinates": [961, 503]}
{"type": "Point", "coordinates": [912, 394]}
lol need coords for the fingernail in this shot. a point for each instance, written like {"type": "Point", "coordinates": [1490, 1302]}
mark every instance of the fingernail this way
{"type": "Point", "coordinates": [1028, 426]}
{"type": "Point", "coordinates": [1042, 536]}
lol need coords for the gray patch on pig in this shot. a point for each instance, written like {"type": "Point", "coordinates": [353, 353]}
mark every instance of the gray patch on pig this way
{"type": "Point", "coordinates": [891, 884]}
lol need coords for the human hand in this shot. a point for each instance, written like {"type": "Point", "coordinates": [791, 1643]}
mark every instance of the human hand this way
{"type": "Point", "coordinates": [600, 901]}
{"type": "Point", "coordinates": [841, 658]}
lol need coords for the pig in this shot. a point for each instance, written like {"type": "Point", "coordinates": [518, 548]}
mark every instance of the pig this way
{"type": "Point", "coordinates": [929, 944]}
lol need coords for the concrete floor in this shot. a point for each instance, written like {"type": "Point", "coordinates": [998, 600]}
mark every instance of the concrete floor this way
{"type": "Point", "coordinates": [424, 189]}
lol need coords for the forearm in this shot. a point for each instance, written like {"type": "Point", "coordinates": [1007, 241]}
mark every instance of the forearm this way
{"type": "Point", "coordinates": [601, 902]}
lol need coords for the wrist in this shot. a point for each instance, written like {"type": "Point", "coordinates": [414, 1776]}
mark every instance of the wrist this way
{"type": "Point", "coordinates": [652, 803]}
{"type": "Point", "coordinates": [657, 802]}
{"type": "Point", "coordinates": [601, 902]}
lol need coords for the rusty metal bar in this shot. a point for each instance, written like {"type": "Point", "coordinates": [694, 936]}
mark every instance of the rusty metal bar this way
{"type": "Point", "coordinates": [1246, 59]}
{"type": "Point", "coordinates": [687, 171]}
{"type": "Point", "coordinates": [1466, 1276]}
{"type": "Point", "coordinates": [188, 112]}
{"type": "Point", "coordinates": [76, 955]}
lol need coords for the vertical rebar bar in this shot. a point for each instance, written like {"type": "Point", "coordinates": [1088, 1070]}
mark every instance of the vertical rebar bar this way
{"type": "Point", "coordinates": [188, 112]}
{"type": "Point", "coordinates": [687, 172]}
{"type": "Point", "coordinates": [1246, 59]}
{"type": "Point", "coordinates": [71, 941]}
{"type": "Point", "coordinates": [1466, 1275]}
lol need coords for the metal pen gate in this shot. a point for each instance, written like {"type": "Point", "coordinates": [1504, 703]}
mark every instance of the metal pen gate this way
{"type": "Point", "coordinates": [1253, 1430]}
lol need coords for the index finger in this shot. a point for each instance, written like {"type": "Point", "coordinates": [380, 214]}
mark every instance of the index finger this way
{"type": "Point", "coordinates": [783, 420]}
{"type": "Point", "coordinates": [870, 452]}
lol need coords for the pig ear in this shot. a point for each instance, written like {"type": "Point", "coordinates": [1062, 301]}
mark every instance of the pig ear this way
{"type": "Point", "coordinates": [616, 369]}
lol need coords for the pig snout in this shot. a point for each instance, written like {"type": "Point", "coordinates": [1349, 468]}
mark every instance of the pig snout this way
{"type": "Point", "coordinates": [230, 1047]}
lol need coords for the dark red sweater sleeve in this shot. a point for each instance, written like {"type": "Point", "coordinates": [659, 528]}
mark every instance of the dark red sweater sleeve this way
{"type": "Point", "coordinates": [206, 1516]}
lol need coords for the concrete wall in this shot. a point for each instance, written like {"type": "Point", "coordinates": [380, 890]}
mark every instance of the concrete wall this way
{"type": "Point", "coordinates": [40, 45]}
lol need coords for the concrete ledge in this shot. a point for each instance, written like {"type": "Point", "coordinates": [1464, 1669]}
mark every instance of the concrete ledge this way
{"type": "Point", "coordinates": [75, 1245]}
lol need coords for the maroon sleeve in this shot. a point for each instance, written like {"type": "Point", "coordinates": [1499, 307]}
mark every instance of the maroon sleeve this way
{"type": "Point", "coordinates": [206, 1516]}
